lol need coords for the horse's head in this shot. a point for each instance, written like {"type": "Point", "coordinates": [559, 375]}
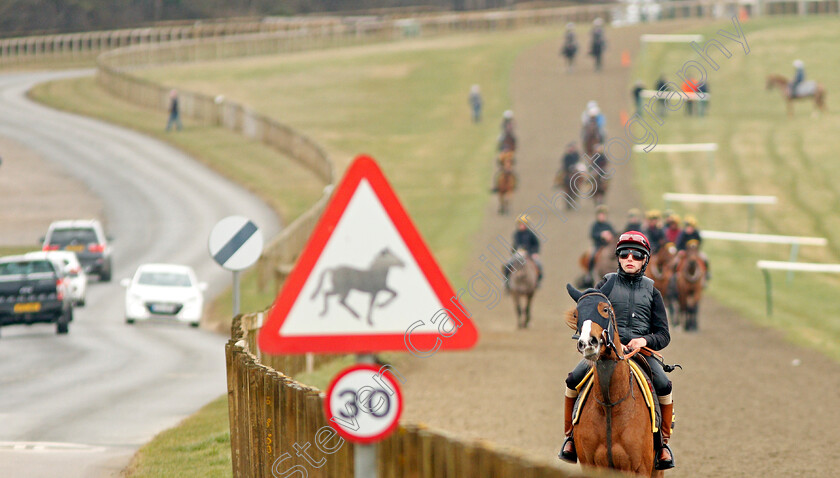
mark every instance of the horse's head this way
{"type": "Point", "coordinates": [594, 323]}
{"type": "Point", "coordinates": [776, 80]}
{"type": "Point", "coordinates": [386, 259]}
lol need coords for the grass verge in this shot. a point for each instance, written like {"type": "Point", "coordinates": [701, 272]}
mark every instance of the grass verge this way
{"type": "Point", "coordinates": [761, 152]}
{"type": "Point", "coordinates": [198, 447]}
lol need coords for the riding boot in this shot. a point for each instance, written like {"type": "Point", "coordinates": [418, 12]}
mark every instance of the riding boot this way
{"type": "Point", "coordinates": [569, 454]}
{"type": "Point", "coordinates": [665, 459]}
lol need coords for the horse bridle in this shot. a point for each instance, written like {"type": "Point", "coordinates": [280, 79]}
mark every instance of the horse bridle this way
{"type": "Point", "coordinates": [611, 326]}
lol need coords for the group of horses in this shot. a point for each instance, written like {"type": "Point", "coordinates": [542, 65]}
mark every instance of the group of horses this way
{"type": "Point", "coordinates": [679, 277]}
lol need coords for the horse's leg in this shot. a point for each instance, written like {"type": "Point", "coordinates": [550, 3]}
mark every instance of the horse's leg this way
{"type": "Point", "coordinates": [343, 301]}
{"type": "Point", "coordinates": [518, 310]}
{"type": "Point", "coordinates": [389, 299]}
{"type": "Point", "coordinates": [370, 307]}
{"type": "Point", "coordinates": [327, 296]}
{"type": "Point", "coordinates": [528, 310]}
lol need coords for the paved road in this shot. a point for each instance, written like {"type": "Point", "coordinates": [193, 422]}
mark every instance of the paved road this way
{"type": "Point", "coordinates": [89, 399]}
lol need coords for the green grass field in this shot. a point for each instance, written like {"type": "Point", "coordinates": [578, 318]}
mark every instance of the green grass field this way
{"type": "Point", "coordinates": [762, 152]}
{"type": "Point", "coordinates": [404, 103]}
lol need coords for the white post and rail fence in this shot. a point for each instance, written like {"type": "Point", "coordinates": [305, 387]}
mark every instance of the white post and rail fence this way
{"type": "Point", "coordinates": [767, 266]}
{"type": "Point", "coordinates": [750, 201]}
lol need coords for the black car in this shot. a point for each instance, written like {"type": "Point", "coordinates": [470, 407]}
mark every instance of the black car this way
{"type": "Point", "coordinates": [87, 239]}
{"type": "Point", "coordinates": [34, 291]}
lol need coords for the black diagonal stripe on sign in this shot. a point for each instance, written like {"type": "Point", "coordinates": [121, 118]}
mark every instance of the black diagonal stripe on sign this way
{"type": "Point", "coordinates": [236, 242]}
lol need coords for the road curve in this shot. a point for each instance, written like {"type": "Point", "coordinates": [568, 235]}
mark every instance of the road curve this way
{"type": "Point", "coordinates": [89, 399]}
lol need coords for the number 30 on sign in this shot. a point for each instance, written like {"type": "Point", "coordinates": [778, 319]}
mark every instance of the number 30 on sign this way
{"type": "Point", "coordinates": [363, 404]}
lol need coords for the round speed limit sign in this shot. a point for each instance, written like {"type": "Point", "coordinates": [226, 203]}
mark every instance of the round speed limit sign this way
{"type": "Point", "coordinates": [364, 403]}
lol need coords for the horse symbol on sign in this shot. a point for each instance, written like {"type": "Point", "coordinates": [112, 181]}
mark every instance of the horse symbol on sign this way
{"type": "Point", "coordinates": [371, 280]}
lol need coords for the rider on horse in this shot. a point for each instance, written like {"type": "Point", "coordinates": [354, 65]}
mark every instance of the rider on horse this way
{"type": "Point", "coordinates": [571, 157]}
{"type": "Point", "coordinates": [601, 234]}
{"type": "Point", "coordinates": [599, 43]}
{"type": "Point", "coordinates": [524, 238]}
{"type": "Point", "coordinates": [570, 46]}
{"type": "Point", "coordinates": [653, 231]}
{"type": "Point", "coordinates": [798, 77]}
{"type": "Point", "coordinates": [634, 220]}
{"type": "Point", "coordinates": [641, 319]}
{"type": "Point", "coordinates": [690, 233]}
{"type": "Point", "coordinates": [672, 228]}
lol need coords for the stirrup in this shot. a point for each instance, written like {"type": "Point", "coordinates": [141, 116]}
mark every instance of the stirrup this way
{"type": "Point", "coordinates": [571, 456]}
{"type": "Point", "coordinates": [665, 464]}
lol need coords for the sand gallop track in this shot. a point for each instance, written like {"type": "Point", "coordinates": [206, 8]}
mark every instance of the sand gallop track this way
{"type": "Point", "coordinates": [742, 408]}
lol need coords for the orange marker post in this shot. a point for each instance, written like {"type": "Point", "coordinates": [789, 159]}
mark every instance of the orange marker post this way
{"type": "Point", "coordinates": [625, 58]}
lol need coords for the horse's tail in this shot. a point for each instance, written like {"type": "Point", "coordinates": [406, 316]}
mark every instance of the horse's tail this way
{"type": "Point", "coordinates": [320, 281]}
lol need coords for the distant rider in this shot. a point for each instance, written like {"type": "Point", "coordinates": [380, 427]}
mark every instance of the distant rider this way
{"type": "Point", "coordinates": [524, 238]}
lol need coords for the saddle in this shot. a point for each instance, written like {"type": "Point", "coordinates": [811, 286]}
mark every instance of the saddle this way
{"type": "Point", "coordinates": [641, 372]}
{"type": "Point", "coordinates": [806, 88]}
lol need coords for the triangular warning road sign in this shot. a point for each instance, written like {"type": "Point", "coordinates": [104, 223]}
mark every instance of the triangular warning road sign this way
{"type": "Point", "coordinates": [366, 281]}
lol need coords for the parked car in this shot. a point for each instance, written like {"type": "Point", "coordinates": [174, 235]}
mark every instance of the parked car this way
{"type": "Point", "coordinates": [164, 291]}
{"type": "Point", "coordinates": [86, 238]}
{"type": "Point", "coordinates": [73, 273]}
{"type": "Point", "coordinates": [34, 290]}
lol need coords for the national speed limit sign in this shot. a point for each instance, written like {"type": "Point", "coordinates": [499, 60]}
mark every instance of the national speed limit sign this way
{"type": "Point", "coordinates": [364, 403]}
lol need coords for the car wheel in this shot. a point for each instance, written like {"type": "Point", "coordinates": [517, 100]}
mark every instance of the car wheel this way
{"type": "Point", "coordinates": [80, 303]}
{"type": "Point", "coordinates": [105, 275]}
{"type": "Point", "coordinates": [63, 324]}
{"type": "Point", "coordinates": [129, 321]}
{"type": "Point", "coordinates": [195, 324]}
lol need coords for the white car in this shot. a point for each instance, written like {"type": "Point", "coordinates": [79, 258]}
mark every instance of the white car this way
{"type": "Point", "coordinates": [164, 291]}
{"type": "Point", "coordinates": [74, 274]}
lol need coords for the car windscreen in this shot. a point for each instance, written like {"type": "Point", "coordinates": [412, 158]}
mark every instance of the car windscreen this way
{"type": "Point", "coordinates": [169, 279]}
{"type": "Point", "coordinates": [73, 235]}
{"type": "Point", "coordinates": [26, 268]}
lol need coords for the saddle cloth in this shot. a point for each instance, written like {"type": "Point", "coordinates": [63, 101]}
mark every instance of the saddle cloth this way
{"type": "Point", "coordinates": [806, 88]}
{"type": "Point", "coordinates": [644, 386]}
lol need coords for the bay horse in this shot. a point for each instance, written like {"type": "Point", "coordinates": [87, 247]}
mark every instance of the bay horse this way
{"type": "Point", "coordinates": [593, 142]}
{"type": "Point", "coordinates": [691, 275]}
{"type": "Point", "coordinates": [505, 180]}
{"type": "Point", "coordinates": [783, 84]}
{"type": "Point", "coordinates": [563, 180]}
{"type": "Point", "coordinates": [523, 285]}
{"type": "Point", "coordinates": [661, 270]}
{"type": "Point", "coordinates": [614, 429]}
{"type": "Point", "coordinates": [605, 262]}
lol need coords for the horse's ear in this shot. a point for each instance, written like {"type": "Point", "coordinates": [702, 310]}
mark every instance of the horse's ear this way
{"type": "Point", "coordinates": [573, 293]}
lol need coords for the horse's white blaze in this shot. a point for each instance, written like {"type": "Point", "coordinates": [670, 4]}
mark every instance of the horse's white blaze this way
{"type": "Point", "coordinates": [585, 332]}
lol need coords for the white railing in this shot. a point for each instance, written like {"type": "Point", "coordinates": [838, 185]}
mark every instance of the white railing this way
{"type": "Point", "coordinates": [767, 266]}
{"type": "Point", "coordinates": [751, 201]}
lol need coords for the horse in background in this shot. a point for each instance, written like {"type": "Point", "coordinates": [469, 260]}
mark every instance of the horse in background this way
{"type": "Point", "coordinates": [505, 180]}
{"type": "Point", "coordinates": [691, 277]}
{"type": "Point", "coordinates": [523, 285]}
{"type": "Point", "coordinates": [661, 271]}
{"type": "Point", "coordinates": [563, 180]}
{"type": "Point", "coordinates": [811, 88]}
{"type": "Point", "coordinates": [614, 430]}
{"type": "Point", "coordinates": [605, 262]}
{"type": "Point", "coordinates": [593, 142]}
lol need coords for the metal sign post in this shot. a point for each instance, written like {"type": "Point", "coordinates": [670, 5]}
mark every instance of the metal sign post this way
{"type": "Point", "coordinates": [364, 405]}
{"type": "Point", "coordinates": [364, 456]}
{"type": "Point", "coordinates": [235, 243]}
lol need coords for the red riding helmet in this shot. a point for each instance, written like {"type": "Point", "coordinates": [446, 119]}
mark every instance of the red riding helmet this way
{"type": "Point", "coordinates": [633, 240]}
